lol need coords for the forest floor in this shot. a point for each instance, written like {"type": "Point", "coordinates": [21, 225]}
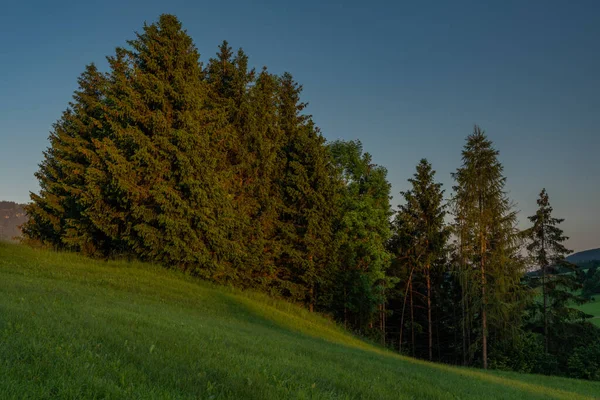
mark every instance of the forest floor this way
{"type": "Point", "coordinates": [71, 327]}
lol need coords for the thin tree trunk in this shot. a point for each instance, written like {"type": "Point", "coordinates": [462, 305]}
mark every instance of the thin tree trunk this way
{"type": "Point", "coordinates": [483, 305]}
{"type": "Point", "coordinates": [383, 315]}
{"type": "Point", "coordinates": [545, 295]}
{"type": "Point", "coordinates": [345, 308]}
{"type": "Point", "coordinates": [464, 321]}
{"type": "Point", "coordinates": [412, 319]}
{"type": "Point", "coordinates": [428, 279]}
{"type": "Point", "coordinates": [403, 309]}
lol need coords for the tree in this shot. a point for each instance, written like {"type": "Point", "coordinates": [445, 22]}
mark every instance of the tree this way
{"type": "Point", "coordinates": [486, 226]}
{"type": "Point", "coordinates": [57, 214]}
{"type": "Point", "coordinates": [362, 230]}
{"type": "Point", "coordinates": [308, 191]}
{"type": "Point", "coordinates": [156, 186]}
{"type": "Point", "coordinates": [547, 250]}
{"type": "Point", "coordinates": [420, 221]}
{"type": "Point", "coordinates": [546, 247]}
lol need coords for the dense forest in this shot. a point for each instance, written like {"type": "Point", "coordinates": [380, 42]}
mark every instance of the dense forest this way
{"type": "Point", "coordinates": [215, 169]}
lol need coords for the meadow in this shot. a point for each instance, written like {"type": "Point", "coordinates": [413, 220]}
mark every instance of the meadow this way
{"type": "Point", "coordinates": [71, 327]}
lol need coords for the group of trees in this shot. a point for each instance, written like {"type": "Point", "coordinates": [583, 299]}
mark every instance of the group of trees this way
{"type": "Point", "coordinates": [217, 171]}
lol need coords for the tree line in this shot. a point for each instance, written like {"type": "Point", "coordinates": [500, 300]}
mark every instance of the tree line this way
{"type": "Point", "coordinates": [216, 170]}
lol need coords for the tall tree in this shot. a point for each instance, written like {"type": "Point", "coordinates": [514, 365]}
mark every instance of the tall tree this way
{"type": "Point", "coordinates": [362, 231]}
{"type": "Point", "coordinates": [57, 214]}
{"type": "Point", "coordinates": [547, 249]}
{"type": "Point", "coordinates": [490, 243]}
{"type": "Point", "coordinates": [421, 222]}
{"type": "Point", "coordinates": [308, 194]}
{"type": "Point", "coordinates": [157, 184]}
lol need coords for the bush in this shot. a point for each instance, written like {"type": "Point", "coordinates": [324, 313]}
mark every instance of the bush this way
{"type": "Point", "coordinates": [584, 363]}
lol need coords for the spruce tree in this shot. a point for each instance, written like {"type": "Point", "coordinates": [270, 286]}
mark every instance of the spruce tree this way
{"type": "Point", "coordinates": [420, 221]}
{"type": "Point", "coordinates": [546, 248]}
{"type": "Point", "coordinates": [57, 215]}
{"type": "Point", "coordinates": [307, 191]}
{"type": "Point", "coordinates": [157, 185]}
{"type": "Point", "coordinates": [490, 241]}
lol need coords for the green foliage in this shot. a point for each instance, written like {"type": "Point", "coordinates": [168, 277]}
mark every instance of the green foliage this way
{"type": "Point", "coordinates": [359, 282]}
{"type": "Point", "coordinates": [218, 172]}
{"type": "Point", "coordinates": [419, 244]}
{"type": "Point", "coordinates": [555, 313]}
{"type": "Point", "coordinates": [584, 363]}
{"type": "Point", "coordinates": [591, 283]}
{"type": "Point", "coordinates": [489, 268]}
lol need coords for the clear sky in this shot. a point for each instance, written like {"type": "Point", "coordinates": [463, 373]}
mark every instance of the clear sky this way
{"type": "Point", "coordinates": [409, 79]}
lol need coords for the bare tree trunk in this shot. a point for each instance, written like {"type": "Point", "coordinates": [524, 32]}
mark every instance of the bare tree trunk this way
{"type": "Point", "coordinates": [345, 308]}
{"type": "Point", "coordinates": [404, 308]}
{"type": "Point", "coordinates": [428, 279]}
{"type": "Point", "coordinates": [545, 297]}
{"type": "Point", "coordinates": [412, 319]}
{"type": "Point", "coordinates": [383, 315]}
{"type": "Point", "coordinates": [464, 321]}
{"type": "Point", "coordinates": [483, 305]}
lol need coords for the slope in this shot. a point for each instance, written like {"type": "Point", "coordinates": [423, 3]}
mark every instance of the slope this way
{"type": "Point", "coordinates": [71, 327]}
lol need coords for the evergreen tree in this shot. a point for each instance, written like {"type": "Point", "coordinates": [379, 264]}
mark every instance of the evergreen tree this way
{"type": "Point", "coordinates": [157, 185]}
{"type": "Point", "coordinates": [486, 227]}
{"type": "Point", "coordinates": [307, 189]}
{"type": "Point", "coordinates": [420, 229]}
{"type": "Point", "coordinates": [547, 250]}
{"type": "Point", "coordinates": [57, 214]}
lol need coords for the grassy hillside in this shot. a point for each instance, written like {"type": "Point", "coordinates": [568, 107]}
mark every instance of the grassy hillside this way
{"type": "Point", "coordinates": [72, 328]}
{"type": "Point", "coordinates": [592, 308]}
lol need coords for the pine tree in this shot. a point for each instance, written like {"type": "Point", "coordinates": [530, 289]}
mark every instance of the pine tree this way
{"type": "Point", "coordinates": [420, 221]}
{"type": "Point", "coordinates": [489, 241]}
{"type": "Point", "coordinates": [547, 250]}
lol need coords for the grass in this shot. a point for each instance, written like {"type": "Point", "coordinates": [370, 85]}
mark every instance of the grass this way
{"type": "Point", "coordinates": [71, 327]}
{"type": "Point", "coordinates": [592, 308]}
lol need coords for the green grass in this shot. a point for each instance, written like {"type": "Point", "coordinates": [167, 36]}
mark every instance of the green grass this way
{"type": "Point", "coordinates": [592, 308]}
{"type": "Point", "coordinates": [71, 327]}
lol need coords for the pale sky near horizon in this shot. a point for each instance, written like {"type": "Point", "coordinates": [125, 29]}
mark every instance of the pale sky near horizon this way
{"type": "Point", "coordinates": [409, 79]}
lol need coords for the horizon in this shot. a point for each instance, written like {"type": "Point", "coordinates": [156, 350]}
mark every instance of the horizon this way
{"type": "Point", "coordinates": [408, 82]}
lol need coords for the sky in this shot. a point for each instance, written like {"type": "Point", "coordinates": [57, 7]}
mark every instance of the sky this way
{"type": "Point", "coordinates": [409, 79]}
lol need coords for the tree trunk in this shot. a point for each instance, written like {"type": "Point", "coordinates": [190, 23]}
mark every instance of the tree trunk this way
{"type": "Point", "coordinates": [412, 319]}
{"type": "Point", "coordinates": [483, 305]}
{"type": "Point", "coordinates": [544, 261]}
{"type": "Point", "coordinates": [430, 330]}
{"type": "Point", "coordinates": [345, 308]}
{"type": "Point", "coordinates": [403, 309]}
{"type": "Point", "coordinates": [383, 315]}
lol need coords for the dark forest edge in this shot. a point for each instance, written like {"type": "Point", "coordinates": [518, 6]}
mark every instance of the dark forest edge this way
{"type": "Point", "coordinates": [215, 170]}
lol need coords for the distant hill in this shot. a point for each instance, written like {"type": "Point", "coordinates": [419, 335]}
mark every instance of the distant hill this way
{"type": "Point", "coordinates": [582, 256]}
{"type": "Point", "coordinates": [12, 215]}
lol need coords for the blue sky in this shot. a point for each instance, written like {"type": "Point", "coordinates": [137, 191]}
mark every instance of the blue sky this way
{"type": "Point", "coordinates": [409, 79]}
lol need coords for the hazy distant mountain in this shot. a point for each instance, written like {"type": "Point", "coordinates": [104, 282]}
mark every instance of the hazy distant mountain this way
{"type": "Point", "coordinates": [587, 255]}
{"type": "Point", "coordinates": [12, 215]}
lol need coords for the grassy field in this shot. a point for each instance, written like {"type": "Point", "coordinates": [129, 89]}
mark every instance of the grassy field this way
{"type": "Point", "coordinates": [593, 308]}
{"type": "Point", "coordinates": [75, 328]}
